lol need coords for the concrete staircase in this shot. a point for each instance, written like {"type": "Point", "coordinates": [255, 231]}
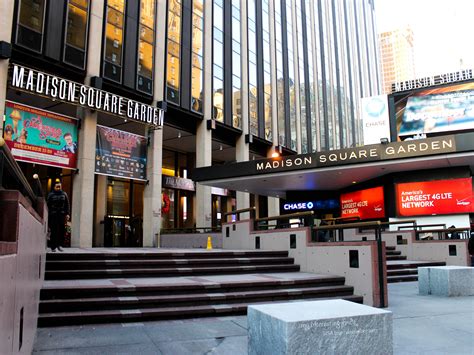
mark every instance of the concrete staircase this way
{"type": "Point", "coordinates": [399, 269]}
{"type": "Point", "coordinates": [101, 287]}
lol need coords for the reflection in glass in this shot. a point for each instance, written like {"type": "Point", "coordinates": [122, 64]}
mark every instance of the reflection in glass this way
{"type": "Point", "coordinates": [197, 65]}
{"type": "Point", "coordinates": [173, 63]}
{"type": "Point", "coordinates": [31, 14]}
{"type": "Point", "coordinates": [146, 34]}
{"type": "Point", "coordinates": [218, 60]}
{"type": "Point", "coordinates": [114, 40]}
{"type": "Point", "coordinates": [236, 67]}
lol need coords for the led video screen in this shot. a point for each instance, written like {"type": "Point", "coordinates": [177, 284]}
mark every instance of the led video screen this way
{"type": "Point", "coordinates": [435, 110]}
{"type": "Point", "coordinates": [365, 204]}
{"type": "Point", "coordinates": [434, 197]}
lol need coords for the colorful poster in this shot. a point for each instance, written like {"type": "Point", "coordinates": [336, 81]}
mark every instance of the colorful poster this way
{"type": "Point", "coordinates": [434, 197]}
{"type": "Point", "coordinates": [365, 204]}
{"type": "Point", "coordinates": [38, 136]}
{"type": "Point", "coordinates": [120, 154]}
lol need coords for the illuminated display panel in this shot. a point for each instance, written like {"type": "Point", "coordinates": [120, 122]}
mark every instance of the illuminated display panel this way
{"type": "Point", "coordinates": [434, 197]}
{"type": "Point", "coordinates": [435, 110]}
{"type": "Point", "coordinates": [365, 204]}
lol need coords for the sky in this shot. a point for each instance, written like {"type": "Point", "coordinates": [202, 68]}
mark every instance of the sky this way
{"type": "Point", "coordinates": [443, 31]}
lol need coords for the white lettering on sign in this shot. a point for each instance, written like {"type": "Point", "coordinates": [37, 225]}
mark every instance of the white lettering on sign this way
{"type": "Point", "coordinates": [78, 94]}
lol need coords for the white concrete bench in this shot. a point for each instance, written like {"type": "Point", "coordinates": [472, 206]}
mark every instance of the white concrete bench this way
{"type": "Point", "coordinates": [319, 327]}
{"type": "Point", "coordinates": [446, 280]}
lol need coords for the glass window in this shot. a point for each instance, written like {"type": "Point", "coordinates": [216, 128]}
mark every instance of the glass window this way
{"type": "Point", "coordinates": [197, 65]}
{"type": "Point", "coordinates": [173, 58]}
{"type": "Point", "coordinates": [114, 40]}
{"type": "Point", "coordinates": [145, 46]}
{"type": "Point", "coordinates": [76, 33]}
{"type": "Point", "coordinates": [30, 25]}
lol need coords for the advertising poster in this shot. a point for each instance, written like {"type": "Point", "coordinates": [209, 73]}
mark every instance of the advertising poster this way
{"type": "Point", "coordinates": [444, 109]}
{"type": "Point", "coordinates": [365, 204]}
{"type": "Point", "coordinates": [375, 119]}
{"type": "Point", "coordinates": [434, 197]}
{"type": "Point", "coordinates": [120, 154]}
{"type": "Point", "coordinates": [42, 137]}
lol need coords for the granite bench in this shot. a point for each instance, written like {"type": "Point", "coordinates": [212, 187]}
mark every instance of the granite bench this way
{"type": "Point", "coordinates": [319, 327]}
{"type": "Point", "coordinates": [446, 280]}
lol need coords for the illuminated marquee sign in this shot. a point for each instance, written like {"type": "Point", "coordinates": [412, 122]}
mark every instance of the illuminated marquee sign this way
{"type": "Point", "coordinates": [365, 204]}
{"type": "Point", "coordinates": [67, 91]}
{"type": "Point", "coordinates": [433, 80]}
{"type": "Point", "coordinates": [311, 205]}
{"type": "Point", "coordinates": [435, 197]}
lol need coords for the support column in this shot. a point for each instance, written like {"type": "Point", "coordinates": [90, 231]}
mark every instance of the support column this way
{"type": "Point", "coordinates": [203, 135]}
{"type": "Point", "coordinates": [203, 158]}
{"type": "Point", "coordinates": [242, 148]}
{"type": "Point", "coordinates": [273, 206]}
{"type": "Point", "coordinates": [100, 210]}
{"type": "Point", "coordinates": [152, 193]}
{"type": "Point", "coordinates": [6, 21]}
{"type": "Point", "coordinates": [83, 194]}
{"type": "Point", "coordinates": [83, 183]}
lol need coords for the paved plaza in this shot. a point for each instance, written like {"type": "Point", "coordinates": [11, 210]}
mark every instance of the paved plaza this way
{"type": "Point", "coordinates": [422, 325]}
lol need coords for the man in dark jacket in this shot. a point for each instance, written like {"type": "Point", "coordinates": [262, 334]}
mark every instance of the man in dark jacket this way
{"type": "Point", "coordinates": [58, 206]}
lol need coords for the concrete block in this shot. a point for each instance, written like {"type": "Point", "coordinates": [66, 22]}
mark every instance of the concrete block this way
{"type": "Point", "coordinates": [446, 281]}
{"type": "Point", "coordinates": [319, 327]}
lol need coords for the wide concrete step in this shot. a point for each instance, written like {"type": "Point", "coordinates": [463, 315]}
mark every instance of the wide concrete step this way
{"type": "Point", "coordinates": [120, 254]}
{"type": "Point", "coordinates": [398, 272]}
{"type": "Point", "coordinates": [396, 257]}
{"type": "Point", "coordinates": [164, 286]}
{"type": "Point", "coordinates": [172, 300]}
{"type": "Point", "coordinates": [390, 248]}
{"type": "Point", "coordinates": [65, 265]}
{"type": "Point", "coordinates": [393, 252]}
{"type": "Point", "coordinates": [402, 278]}
{"type": "Point", "coordinates": [413, 264]}
{"type": "Point", "coordinates": [160, 272]}
{"type": "Point", "coordinates": [143, 314]}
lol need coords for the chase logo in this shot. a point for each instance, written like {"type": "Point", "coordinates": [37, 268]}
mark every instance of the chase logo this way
{"type": "Point", "coordinates": [298, 206]}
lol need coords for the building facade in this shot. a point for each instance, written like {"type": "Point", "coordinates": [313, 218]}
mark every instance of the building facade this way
{"type": "Point", "coordinates": [239, 80]}
{"type": "Point", "coordinates": [397, 57]}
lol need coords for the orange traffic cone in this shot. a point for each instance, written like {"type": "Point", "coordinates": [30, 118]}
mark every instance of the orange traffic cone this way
{"type": "Point", "coordinates": [209, 243]}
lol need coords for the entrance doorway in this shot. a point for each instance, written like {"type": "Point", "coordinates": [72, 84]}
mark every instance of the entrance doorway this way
{"type": "Point", "coordinates": [124, 217]}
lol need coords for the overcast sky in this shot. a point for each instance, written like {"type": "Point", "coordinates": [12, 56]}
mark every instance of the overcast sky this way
{"type": "Point", "coordinates": [443, 31]}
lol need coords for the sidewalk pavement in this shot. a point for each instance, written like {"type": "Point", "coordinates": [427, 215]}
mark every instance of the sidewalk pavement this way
{"type": "Point", "coordinates": [422, 325]}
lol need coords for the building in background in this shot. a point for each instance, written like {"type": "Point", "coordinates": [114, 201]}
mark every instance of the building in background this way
{"type": "Point", "coordinates": [240, 80]}
{"type": "Point", "coordinates": [397, 57]}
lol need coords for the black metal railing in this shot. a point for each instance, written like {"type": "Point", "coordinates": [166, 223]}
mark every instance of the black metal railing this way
{"type": "Point", "coordinates": [11, 176]}
{"type": "Point", "coordinates": [301, 219]}
{"type": "Point", "coordinates": [192, 230]}
{"type": "Point", "coordinates": [250, 210]}
{"type": "Point", "coordinates": [443, 233]}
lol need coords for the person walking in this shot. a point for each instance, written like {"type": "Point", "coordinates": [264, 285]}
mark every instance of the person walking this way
{"type": "Point", "coordinates": [58, 206]}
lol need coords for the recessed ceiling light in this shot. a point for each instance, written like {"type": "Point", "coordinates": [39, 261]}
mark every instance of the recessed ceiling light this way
{"type": "Point", "coordinates": [354, 182]}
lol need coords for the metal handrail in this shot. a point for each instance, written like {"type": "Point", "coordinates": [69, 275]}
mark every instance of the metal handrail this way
{"type": "Point", "coordinates": [285, 216]}
{"type": "Point", "coordinates": [463, 233]}
{"type": "Point", "coordinates": [191, 230]}
{"type": "Point", "coordinates": [8, 165]}
{"type": "Point", "coordinates": [237, 213]}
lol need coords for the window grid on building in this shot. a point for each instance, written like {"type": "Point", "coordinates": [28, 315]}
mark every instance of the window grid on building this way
{"type": "Point", "coordinates": [173, 56]}
{"type": "Point", "coordinates": [197, 63]}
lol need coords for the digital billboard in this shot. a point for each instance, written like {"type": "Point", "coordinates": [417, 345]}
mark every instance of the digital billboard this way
{"type": "Point", "coordinates": [435, 110]}
{"type": "Point", "coordinates": [38, 136]}
{"type": "Point", "coordinates": [434, 197]}
{"type": "Point", "coordinates": [365, 204]}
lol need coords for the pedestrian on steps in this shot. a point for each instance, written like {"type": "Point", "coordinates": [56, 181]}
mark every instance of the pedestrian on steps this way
{"type": "Point", "coordinates": [58, 206]}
